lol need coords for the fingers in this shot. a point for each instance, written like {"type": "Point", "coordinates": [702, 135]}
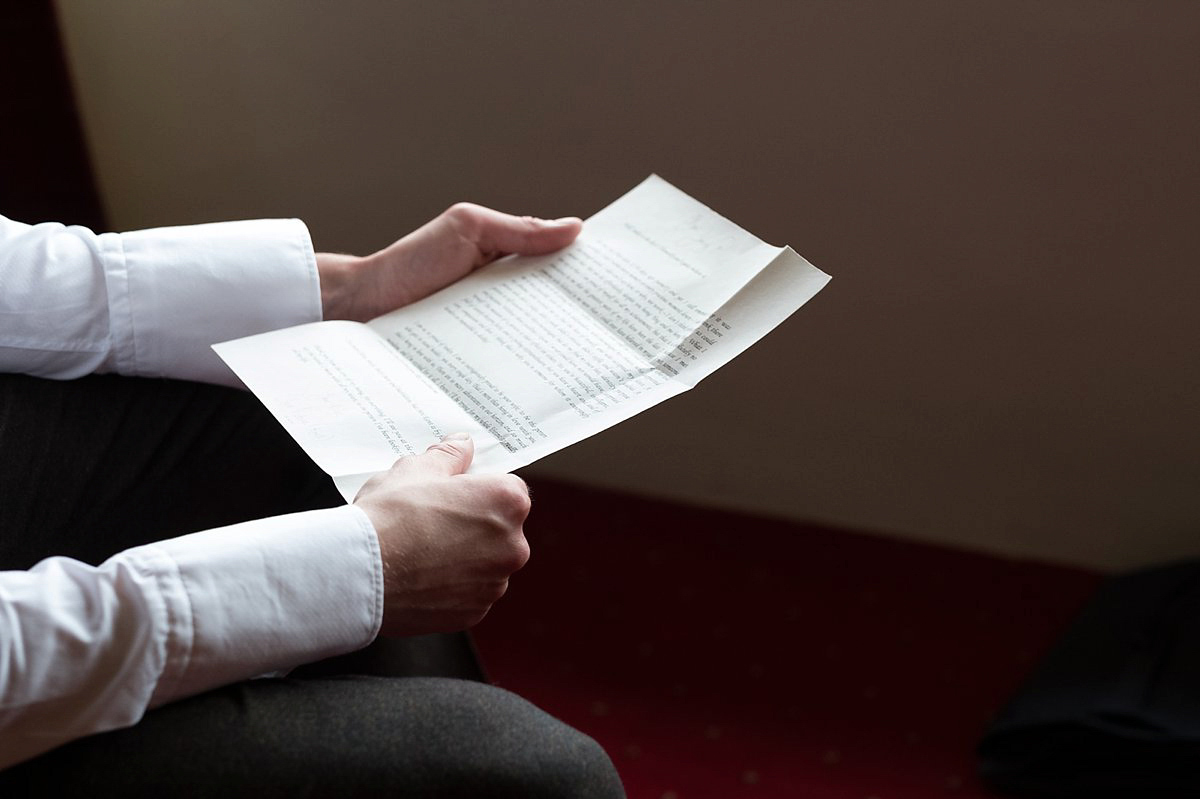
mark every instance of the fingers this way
{"type": "Point", "coordinates": [450, 456]}
{"type": "Point", "coordinates": [497, 234]}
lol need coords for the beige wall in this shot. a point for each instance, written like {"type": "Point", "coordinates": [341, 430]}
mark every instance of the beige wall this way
{"type": "Point", "coordinates": [1007, 195]}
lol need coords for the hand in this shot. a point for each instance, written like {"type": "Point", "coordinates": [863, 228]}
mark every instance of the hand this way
{"type": "Point", "coordinates": [461, 239]}
{"type": "Point", "coordinates": [450, 540]}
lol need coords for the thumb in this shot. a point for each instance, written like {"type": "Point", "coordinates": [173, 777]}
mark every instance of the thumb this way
{"type": "Point", "coordinates": [526, 235]}
{"type": "Point", "coordinates": [450, 456]}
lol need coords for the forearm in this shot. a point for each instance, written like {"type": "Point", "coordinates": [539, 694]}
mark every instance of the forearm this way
{"type": "Point", "coordinates": [148, 303]}
{"type": "Point", "coordinates": [86, 649]}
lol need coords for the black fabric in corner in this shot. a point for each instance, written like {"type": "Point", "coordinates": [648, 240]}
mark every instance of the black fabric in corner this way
{"type": "Point", "coordinates": [1114, 708]}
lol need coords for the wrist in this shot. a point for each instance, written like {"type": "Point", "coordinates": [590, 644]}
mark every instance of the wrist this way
{"type": "Point", "coordinates": [336, 274]}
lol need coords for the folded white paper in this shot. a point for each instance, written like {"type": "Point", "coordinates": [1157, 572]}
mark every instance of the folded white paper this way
{"type": "Point", "coordinates": [532, 354]}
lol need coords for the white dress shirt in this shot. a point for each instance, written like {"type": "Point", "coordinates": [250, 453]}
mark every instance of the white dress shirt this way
{"type": "Point", "coordinates": [85, 649]}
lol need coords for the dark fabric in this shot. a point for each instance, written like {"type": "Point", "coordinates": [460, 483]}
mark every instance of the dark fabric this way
{"type": "Point", "coordinates": [441, 655]}
{"type": "Point", "coordinates": [349, 736]}
{"type": "Point", "coordinates": [94, 466]}
{"type": "Point", "coordinates": [1114, 709]}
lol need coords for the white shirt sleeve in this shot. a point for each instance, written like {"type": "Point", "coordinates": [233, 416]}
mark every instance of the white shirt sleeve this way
{"type": "Point", "coordinates": [86, 649]}
{"type": "Point", "coordinates": [149, 303]}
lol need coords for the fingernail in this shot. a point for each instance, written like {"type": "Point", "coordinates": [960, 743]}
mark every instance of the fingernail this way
{"type": "Point", "coordinates": [564, 221]}
{"type": "Point", "coordinates": [456, 437]}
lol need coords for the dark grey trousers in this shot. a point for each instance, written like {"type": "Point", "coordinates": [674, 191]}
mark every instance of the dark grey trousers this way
{"type": "Point", "coordinates": [93, 466]}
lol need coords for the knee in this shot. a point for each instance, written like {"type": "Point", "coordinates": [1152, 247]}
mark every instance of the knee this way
{"type": "Point", "coordinates": [574, 764]}
{"type": "Point", "coordinates": [524, 749]}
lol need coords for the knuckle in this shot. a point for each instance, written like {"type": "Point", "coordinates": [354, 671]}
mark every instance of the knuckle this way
{"type": "Point", "coordinates": [461, 209]}
{"type": "Point", "coordinates": [519, 554]}
{"type": "Point", "coordinates": [509, 554]}
{"type": "Point", "coordinates": [494, 592]}
{"type": "Point", "coordinates": [463, 216]}
{"type": "Point", "coordinates": [444, 447]}
{"type": "Point", "coordinates": [512, 497]}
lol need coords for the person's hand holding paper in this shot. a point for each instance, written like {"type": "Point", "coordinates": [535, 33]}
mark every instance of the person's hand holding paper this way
{"type": "Point", "coordinates": [440, 252]}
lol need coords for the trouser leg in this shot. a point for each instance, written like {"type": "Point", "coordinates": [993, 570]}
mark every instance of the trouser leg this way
{"type": "Point", "coordinates": [346, 737]}
{"type": "Point", "coordinates": [93, 466]}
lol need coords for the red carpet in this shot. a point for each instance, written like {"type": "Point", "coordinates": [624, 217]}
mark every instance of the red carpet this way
{"type": "Point", "coordinates": [719, 655]}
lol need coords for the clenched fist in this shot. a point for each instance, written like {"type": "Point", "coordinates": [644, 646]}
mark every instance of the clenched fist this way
{"type": "Point", "coordinates": [450, 540]}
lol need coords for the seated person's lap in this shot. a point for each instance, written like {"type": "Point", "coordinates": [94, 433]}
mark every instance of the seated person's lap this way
{"type": "Point", "coordinates": [93, 466]}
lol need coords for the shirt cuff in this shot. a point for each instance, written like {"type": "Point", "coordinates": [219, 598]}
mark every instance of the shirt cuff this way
{"type": "Point", "coordinates": [174, 292]}
{"type": "Point", "coordinates": [268, 595]}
